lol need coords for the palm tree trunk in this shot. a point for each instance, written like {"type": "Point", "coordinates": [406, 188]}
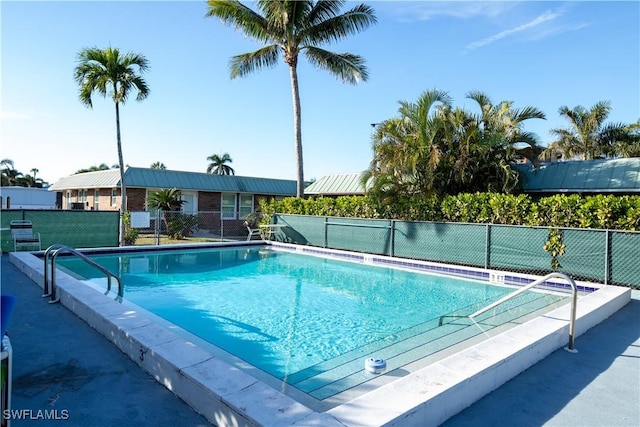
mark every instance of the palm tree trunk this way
{"type": "Point", "coordinates": [123, 189]}
{"type": "Point", "coordinates": [297, 126]}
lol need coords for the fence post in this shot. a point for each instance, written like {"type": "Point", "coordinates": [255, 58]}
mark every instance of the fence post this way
{"type": "Point", "coordinates": [222, 225]}
{"type": "Point", "coordinates": [392, 230]}
{"type": "Point", "coordinates": [607, 258]}
{"type": "Point", "coordinates": [487, 250]}
{"type": "Point", "coordinates": [325, 231]}
{"type": "Point", "coordinates": [157, 227]}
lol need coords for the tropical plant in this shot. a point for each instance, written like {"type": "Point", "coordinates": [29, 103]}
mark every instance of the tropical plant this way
{"type": "Point", "coordinates": [130, 234]}
{"type": "Point", "coordinates": [588, 136]}
{"type": "Point", "coordinates": [630, 145]}
{"type": "Point", "coordinates": [433, 148]}
{"type": "Point", "coordinates": [292, 27]}
{"type": "Point", "coordinates": [168, 201]}
{"type": "Point", "coordinates": [110, 73]}
{"type": "Point", "coordinates": [100, 167]}
{"type": "Point", "coordinates": [218, 165]}
{"type": "Point", "coordinates": [10, 176]}
{"type": "Point", "coordinates": [158, 165]}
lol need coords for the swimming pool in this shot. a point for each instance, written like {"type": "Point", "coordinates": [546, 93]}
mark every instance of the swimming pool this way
{"type": "Point", "coordinates": [306, 320]}
{"type": "Point", "coordinates": [411, 393]}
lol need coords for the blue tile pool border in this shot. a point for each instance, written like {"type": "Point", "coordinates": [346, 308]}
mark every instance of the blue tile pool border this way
{"type": "Point", "coordinates": [473, 273]}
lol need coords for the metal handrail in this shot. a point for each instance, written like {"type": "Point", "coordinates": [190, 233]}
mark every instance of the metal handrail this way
{"type": "Point", "coordinates": [58, 248]}
{"type": "Point", "coordinates": [574, 301]}
{"type": "Point", "coordinates": [47, 292]}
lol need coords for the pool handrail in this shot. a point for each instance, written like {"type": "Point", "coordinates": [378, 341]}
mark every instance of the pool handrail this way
{"type": "Point", "coordinates": [47, 292]}
{"type": "Point", "coordinates": [555, 274]}
{"type": "Point", "coordinates": [57, 248]}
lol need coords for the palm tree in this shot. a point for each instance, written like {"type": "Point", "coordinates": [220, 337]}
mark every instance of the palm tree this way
{"type": "Point", "coordinates": [501, 140]}
{"type": "Point", "coordinates": [165, 200]}
{"type": "Point", "coordinates": [587, 135]}
{"type": "Point", "coordinates": [109, 72]}
{"type": "Point", "coordinates": [218, 166]}
{"type": "Point", "coordinates": [292, 27]}
{"type": "Point", "coordinates": [407, 149]}
{"type": "Point", "coordinates": [435, 149]}
{"type": "Point", "coordinates": [158, 165]}
{"type": "Point", "coordinates": [630, 146]}
{"type": "Point", "coordinates": [10, 175]}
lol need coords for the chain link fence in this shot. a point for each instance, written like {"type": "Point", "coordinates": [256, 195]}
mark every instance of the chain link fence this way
{"type": "Point", "coordinates": [180, 227]}
{"type": "Point", "coordinates": [605, 256]}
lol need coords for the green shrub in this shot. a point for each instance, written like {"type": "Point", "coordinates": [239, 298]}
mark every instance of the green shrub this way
{"type": "Point", "coordinates": [560, 210]}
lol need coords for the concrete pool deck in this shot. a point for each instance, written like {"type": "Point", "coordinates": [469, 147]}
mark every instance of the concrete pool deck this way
{"type": "Point", "coordinates": [99, 385]}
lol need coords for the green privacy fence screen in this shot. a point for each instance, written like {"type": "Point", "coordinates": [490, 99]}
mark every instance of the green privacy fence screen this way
{"type": "Point", "coordinates": [605, 256]}
{"type": "Point", "coordinates": [77, 229]}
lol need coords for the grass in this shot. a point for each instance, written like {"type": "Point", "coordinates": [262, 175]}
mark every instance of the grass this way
{"type": "Point", "coordinates": [150, 239]}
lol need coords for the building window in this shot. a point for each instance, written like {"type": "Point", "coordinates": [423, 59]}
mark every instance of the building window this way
{"type": "Point", "coordinates": [114, 197]}
{"type": "Point", "coordinates": [228, 206]}
{"type": "Point", "coordinates": [82, 196]}
{"type": "Point", "coordinates": [96, 200]}
{"type": "Point", "coordinates": [246, 205]}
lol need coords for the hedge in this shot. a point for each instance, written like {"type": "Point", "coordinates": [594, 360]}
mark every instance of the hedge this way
{"type": "Point", "coordinates": [599, 211]}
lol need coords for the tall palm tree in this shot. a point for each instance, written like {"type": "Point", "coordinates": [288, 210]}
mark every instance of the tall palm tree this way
{"type": "Point", "coordinates": [587, 135]}
{"type": "Point", "coordinates": [289, 28]}
{"type": "Point", "coordinates": [218, 166]}
{"type": "Point", "coordinates": [158, 165]}
{"type": "Point", "coordinates": [110, 73]}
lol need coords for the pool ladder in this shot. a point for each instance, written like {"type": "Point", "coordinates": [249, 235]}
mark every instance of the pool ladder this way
{"type": "Point", "coordinates": [574, 301]}
{"type": "Point", "coordinates": [52, 252]}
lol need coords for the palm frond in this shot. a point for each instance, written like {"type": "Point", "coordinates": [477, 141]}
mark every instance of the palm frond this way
{"type": "Point", "coordinates": [347, 67]}
{"type": "Point", "coordinates": [243, 18]}
{"type": "Point", "coordinates": [247, 63]}
{"type": "Point", "coordinates": [339, 27]}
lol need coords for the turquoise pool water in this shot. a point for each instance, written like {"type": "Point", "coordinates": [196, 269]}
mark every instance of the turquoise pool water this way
{"type": "Point", "coordinates": [291, 315]}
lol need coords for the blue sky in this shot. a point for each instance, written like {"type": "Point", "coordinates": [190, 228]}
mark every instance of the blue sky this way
{"type": "Point", "coordinates": [543, 54]}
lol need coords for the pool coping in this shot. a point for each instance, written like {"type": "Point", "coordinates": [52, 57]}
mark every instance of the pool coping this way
{"type": "Point", "coordinates": [228, 396]}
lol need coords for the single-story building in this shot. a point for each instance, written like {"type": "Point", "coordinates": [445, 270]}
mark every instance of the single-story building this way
{"type": "Point", "coordinates": [234, 197]}
{"type": "Point", "coordinates": [343, 184]}
{"type": "Point", "coordinates": [586, 177]}
{"type": "Point", "coordinates": [26, 198]}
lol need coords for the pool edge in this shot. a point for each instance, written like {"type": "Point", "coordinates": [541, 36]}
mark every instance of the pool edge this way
{"type": "Point", "coordinates": [428, 397]}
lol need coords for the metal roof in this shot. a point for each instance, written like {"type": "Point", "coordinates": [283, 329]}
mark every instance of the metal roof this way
{"type": "Point", "coordinates": [159, 178]}
{"type": "Point", "coordinates": [586, 176]}
{"type": "Point", "coordinates": [337, 185]}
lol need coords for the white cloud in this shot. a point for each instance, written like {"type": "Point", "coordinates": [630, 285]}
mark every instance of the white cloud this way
{"type": "Point", "coordinates": [545, 17]}
{"type": "Point", "coordinates": [424, 11]}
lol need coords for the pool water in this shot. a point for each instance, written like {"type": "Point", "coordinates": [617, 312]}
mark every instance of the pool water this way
{"type": "Point", "coordinates": [296, 316]}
